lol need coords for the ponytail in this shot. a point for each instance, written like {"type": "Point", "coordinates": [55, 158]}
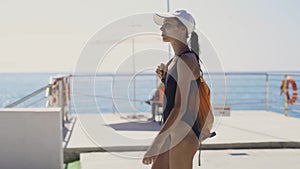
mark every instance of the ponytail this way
{"type": "Point", "coordinates": [194, 44]}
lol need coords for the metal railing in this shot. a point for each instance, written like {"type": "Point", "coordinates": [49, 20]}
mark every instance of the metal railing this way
{"type": "Point", "coordinates": [54, 94]}
{"type": "Point", "coordinates": [241, 91]}
{"type": "Point", "coordinates": [124, 92]}
{"type": "Point", "coordinates": [128, 92]}
{"type": "Point", "coordinates": [279, 100]}
{"type": "Point", "coordinates": [30, 96]}
{"type": "Point", "coordinates": [59, 94]}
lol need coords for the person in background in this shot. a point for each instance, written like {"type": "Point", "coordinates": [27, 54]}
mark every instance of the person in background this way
{"type": "Point", "coordinates": [156, 101]}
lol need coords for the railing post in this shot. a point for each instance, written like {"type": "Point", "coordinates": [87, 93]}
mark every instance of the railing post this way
{"type": "Point", "coordinates": [226, 89]}
{"type": "Point", "coordinates": [67, 96]}
{"type": "Point", "coordinates": [113, 94]}
{"type": "Point", "coordinates": [267, 92]}
{"type": "Point", "coordinates": [286, 106]}
{"type": "Point", "coordinates": [61, 99]}
{"type": "Point", "coordinates": [49, 93]}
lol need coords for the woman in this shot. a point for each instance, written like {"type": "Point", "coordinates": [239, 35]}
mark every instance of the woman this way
{"type": "Point", "coordinates": [178, 140]}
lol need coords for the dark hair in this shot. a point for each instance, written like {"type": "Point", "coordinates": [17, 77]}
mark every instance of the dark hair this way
{"type": "Point", "coordinates": [194, 44]}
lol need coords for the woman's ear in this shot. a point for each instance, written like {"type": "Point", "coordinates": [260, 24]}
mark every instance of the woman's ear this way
{"type": "Point", "coordinates": [183, 28]}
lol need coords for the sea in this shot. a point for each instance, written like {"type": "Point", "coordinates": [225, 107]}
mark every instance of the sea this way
{"type": "Point", "coordinates": [244, 91]}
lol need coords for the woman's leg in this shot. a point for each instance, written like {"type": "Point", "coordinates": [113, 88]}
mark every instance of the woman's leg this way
{"type": "Point", "coordinates": [181, 156]}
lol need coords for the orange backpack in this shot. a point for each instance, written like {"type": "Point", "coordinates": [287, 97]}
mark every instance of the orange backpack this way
{"type": "Point", "coordinates": [205, 113]}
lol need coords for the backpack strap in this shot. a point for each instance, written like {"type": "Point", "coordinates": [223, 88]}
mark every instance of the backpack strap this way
{"type": "Point", "coordinates": [200, 147]}
{"type": "Point", "coordinates": [169, 62]}
{"type": "Point", "coordinates": [163, 79]}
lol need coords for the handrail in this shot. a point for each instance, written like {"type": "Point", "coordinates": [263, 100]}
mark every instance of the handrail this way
{"type": "Point", "coordinates": [239, 95]}
{"type": "Point", "coordinates": [57, 95]}
{"type": "Point", "coordinates": [27, 97]}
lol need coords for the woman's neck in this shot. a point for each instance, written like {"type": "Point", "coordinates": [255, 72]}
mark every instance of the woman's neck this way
{"type": "Point", "coordinates": [179, 48]}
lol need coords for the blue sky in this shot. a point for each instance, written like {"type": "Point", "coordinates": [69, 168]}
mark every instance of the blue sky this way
{"type": "Point", "coordinates": [249, 35]}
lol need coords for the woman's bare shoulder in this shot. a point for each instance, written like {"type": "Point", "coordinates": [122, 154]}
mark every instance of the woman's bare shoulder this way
{"type": "Point", "coordinates": [190, 60]}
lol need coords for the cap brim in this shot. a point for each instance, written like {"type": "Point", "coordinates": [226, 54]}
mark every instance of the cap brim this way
{"type": "Point", "coordinates": [158, 18]}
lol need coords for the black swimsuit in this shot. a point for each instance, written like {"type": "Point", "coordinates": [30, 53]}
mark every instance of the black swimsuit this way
{"type": "Point", "coordinates": [169, 99]}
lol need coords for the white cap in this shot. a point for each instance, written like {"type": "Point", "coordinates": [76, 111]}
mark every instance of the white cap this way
{"type": "Point", "coordinates": [186, 18]}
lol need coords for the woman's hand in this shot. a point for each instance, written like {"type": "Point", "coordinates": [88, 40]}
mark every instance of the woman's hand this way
{"type": "Point", "coordinates": [159, 145]}
{"type": "Point", "coordinates": [151, 154]}
{"type": "Point", "coordinates": [148, 160]}
{"type": "Point", "coordinates": [161, 70]}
